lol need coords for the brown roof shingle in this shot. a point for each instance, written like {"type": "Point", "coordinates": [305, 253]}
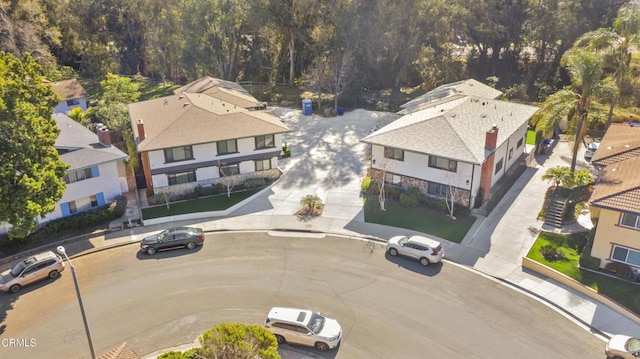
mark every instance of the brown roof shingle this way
{"type": "Point", "coordinates": [194, 118]}
{"type": "Point", "coordinates": [618, 186]}
{"type": "Point", "coordinates": [227, 91]}
{"type": "Point", "coordinates": [69, 89]}
{"type": "Point", "coordinates": [620, 142]}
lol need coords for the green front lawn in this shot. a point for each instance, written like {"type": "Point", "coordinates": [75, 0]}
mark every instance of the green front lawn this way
{"type": "Point", "coordinates": [419, 219]}
{"type": "Point", "coordinates": [623, 292]}
{"type": "Point", "coordinates": [215, 203]}
{"type": "Point", "coordinates": [531, 137]}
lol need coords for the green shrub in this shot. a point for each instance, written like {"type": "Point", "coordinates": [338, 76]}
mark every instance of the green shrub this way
{"type": "Point", "coordinates": [411, 197]}
{"type": "Point", "coordinates": [621, 270]}
{"type": "Point", "coordinates": [172, 355]}
{"type": "Point", "coordinates": [587, 261]}
{"type": "Point", "coordinates": [368, 186]}
{"type": "Point", "coordinates": [233, 340]}
{"type": "Point", "coordinates": [286, 152]}
{"type": "Point", "coordinates": [392, 192]}
{"type": "Point", "coordinates": [204, 190]}
{"type": "Point", "coordinates": [254, 183]}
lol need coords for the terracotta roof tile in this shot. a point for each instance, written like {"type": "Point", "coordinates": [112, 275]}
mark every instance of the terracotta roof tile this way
{"type": "Point", "coordinates": [123, 351]}
{"type": "Point", "coordinates": [618, 186]}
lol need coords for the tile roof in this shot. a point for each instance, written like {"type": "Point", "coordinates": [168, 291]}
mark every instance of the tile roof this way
{"type": "Point", "coordinates": [227, 91]}
{"type": "Point", "coordinates": [454, 128]}
{"type": "Point", "coordinates": [69, 89]}
{"type": "Point", "coordinates": [194, 118]}
{"type": "Point", "coordinates": [620, 142]}
{"type": "Point", "coordinates": [79, 147]}
{"type": "Point", "coordinates": [123, 351]}
{"type": "Point", "coordinates": [469, 87]}
{"type": "Point", "coordinates": [618, 186]}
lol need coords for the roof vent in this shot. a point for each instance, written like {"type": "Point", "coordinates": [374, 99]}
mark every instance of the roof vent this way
{"type": "Point", "coordinates": [185, 104]}
{"type": "Point", "coordinates": [483, 115]}
{"type": "Point", "coordinates": [166, 102]}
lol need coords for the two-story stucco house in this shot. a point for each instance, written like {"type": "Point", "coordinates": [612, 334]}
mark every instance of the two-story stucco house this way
{"type": "Point", "coordinates": [455, 138]}
{"type": "Point", "coordinates": [97, 174]}
{"type": "Point", "coordinates": [193, 138]}
{"type": "Point", "coordinates": [615, 200]}
{"type": "Point", "coordinates": [72, 94]}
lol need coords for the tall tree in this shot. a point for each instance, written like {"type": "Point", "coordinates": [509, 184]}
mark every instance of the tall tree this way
{"type": "Point", "coordinates": [31, 175]}
{"type": "Point", "coordinates": [616, 44]}
{"type": "Point", "coordinates": [585, 71]}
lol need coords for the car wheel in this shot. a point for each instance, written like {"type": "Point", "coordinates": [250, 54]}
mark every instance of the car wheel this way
{"type": "Point", "coordinates": [424, 261]}
{"type": "Point", "coordinates": [191, 245]}
{"type": "Point", "coordinates": [14, 288]}
{"type": "Point", "coordinates": [323, 347]}
{"type": "Point", "coordinates": [280, 339]}
{"type": "Point", "coordinates": [54, 274]}
{"type": "Point", "coordinates": [393, 252]}
{"type": "Point", "coordinates": [151, 251]}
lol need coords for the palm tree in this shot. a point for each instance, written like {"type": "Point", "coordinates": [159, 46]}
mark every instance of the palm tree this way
{"type": "Point", "coordinates": [616, 44]}
{"type": "Point", "coordinates": [556, 175]}
{"type": "Point", "coordinates": [311, 201]}
{"type": "Point", "coordinates": [585, 71]}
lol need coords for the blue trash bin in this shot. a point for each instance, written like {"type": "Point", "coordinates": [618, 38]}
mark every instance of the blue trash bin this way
{"type": "Point", "coordinates": [307, 108]}
{"type": "Point", "coordinates": [340, 111]}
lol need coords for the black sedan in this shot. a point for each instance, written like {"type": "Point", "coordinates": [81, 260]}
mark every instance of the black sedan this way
{"type": "Point", "coordinates": [172, 238]}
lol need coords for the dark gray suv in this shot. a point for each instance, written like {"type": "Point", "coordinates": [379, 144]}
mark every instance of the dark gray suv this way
{"type": "Point", "coordinates": [172, 238]}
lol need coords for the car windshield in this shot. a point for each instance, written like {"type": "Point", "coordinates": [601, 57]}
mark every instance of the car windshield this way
{"type": "Point", "coordinates": [403, 240]}
{"type": "Point", "coordinates": [18, 268]}
{"type": "Point", "coordinates": [633, 345]}
{"type": "Point", "coordinates": [162, 234]}
{"type": "Point", "coordinates": [316, 323]}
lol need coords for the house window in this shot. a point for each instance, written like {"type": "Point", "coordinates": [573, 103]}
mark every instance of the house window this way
{"type": "Point", "coordinates": [626, 255]}
{"type": "Point", "coordinates": [510, 153]}
{"type": "Point", "coordinates": [394, 153]}
{"type": "Point", "coordinates": [498, 166]}
{"type": "Point", "coordinates": [72, 207]}
{"type": "Point", "coordinates": [94, 201]}
{"type": "Point", "coordinates": [73, 102]}
{"type": "Point", "coordinates": [392, 178]}
{"type": "Point", "coordinates": [176, 154]}
{"type": "Point", "coordinates": [630, 220]}
{"type": "Point", "coordinates": [520, 142]}
{"type": "Point", "coordinates": [443, 164]}
{"type": "Point", "coordinates": [229, 170]}
{"type": "Point", "coordinates": [183, 177]}
{"type": "Point", "coordinates": [226, 147]}
{"type": "Point", "coordinates": [81, 175]}
{"type": "Point", "coordinates": [263, 165]}
{"type": "Point", "coordinates": [437, 189]}
{"type": "Point", "coordinates": [266, 141]}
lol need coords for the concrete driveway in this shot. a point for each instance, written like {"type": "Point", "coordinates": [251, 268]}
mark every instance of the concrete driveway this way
{"type": "Point", "coordinates": [327, 159]}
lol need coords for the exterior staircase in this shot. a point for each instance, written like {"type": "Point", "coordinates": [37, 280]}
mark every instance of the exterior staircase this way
{"type": "Point", "coordinates": [555, 211]}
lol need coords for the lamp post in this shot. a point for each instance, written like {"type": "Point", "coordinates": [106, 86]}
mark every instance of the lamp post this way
{"type": "Point", "coordinates": [63, 252]}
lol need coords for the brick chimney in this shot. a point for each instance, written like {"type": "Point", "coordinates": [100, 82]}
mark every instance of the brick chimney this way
{"type": "Point", "coordinates": [104, 136]}
{"type": "Point", "coordinates": [491, 138]}
{"type": "Point", "coordinates": [140, 129]}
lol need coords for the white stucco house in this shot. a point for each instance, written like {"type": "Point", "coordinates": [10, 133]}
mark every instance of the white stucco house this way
{"type": "Point", "coordinates": [97, 172]}
{"type": "Point", "coordinates": [208, 130]}
{"type": "Point", "coordinates": [456, 135]}
{"type": "Point", "coordinates": [72, 94]}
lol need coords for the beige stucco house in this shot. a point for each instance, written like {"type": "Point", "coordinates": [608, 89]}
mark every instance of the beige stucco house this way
{"type": "Point", "coordinates": [615, 200]}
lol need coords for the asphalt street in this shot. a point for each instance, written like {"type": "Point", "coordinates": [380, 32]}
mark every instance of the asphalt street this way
{"type": "Point", "coordinates": [388, 307]}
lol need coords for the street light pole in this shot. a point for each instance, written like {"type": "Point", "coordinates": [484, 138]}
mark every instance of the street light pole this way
{"type": "Point", "coordinates": [63, 252]}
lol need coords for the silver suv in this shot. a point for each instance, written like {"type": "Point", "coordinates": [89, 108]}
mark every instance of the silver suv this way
{"type": "Point", "coordinates": [300, 326]}
{"type": "Point", "coordinates": [31, 270]}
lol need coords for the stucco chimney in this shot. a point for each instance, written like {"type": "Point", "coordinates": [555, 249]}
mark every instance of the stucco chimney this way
{"type": "Point", "coordinates": [491, 138]}
{"type": "Point", "coordinates": [140, 129]}
{"type": "Point", "coordinates": [104, 136]}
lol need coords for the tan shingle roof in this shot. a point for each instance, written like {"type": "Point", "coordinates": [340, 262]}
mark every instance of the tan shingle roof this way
{"type": "Point", "coordinates": [469, 87]}
{"type": "Point", "coordinates": [124, 351]}
{"type": "Point", "coordinates": [194, 118]}
{"type": "Point", "coordinates": [227, 91]}
{"type": "Point", "coordinates": [69, 89]}
{"type": "Point", "coordinates": [618, 186]}
{"type": "Point", "coordinates": [455, 128]}
{"type": "Point", "coordinates": [620, 142]}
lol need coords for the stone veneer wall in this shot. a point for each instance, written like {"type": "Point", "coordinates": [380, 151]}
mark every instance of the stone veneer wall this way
{"type": "Point", "coordinates": [407, 182]}
{"type": "Point", "coordinates": [183, 188]}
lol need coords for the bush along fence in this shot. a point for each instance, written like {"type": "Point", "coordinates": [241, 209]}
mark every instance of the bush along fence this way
{"type": "Point", "coordinates": [76, 222]}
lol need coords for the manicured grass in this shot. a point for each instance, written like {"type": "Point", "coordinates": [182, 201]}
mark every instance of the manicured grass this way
{"type": "Point", "coordinates": [420, 219]}
{"type": "Point", "coordinates": [531, 137]}
{"type": "Point", "coordinates": [623, 292]}
{"type": "Point", "coordinates": [148, 89]}
{"type": "Point", "coordinates": [215, 203]}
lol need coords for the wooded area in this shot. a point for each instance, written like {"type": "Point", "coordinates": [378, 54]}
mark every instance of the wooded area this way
{"type": "Point", "coordinates": [341, 45]}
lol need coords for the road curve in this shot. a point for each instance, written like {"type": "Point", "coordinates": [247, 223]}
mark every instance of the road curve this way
{"type": "Point", "coordinates": [388, 307]}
